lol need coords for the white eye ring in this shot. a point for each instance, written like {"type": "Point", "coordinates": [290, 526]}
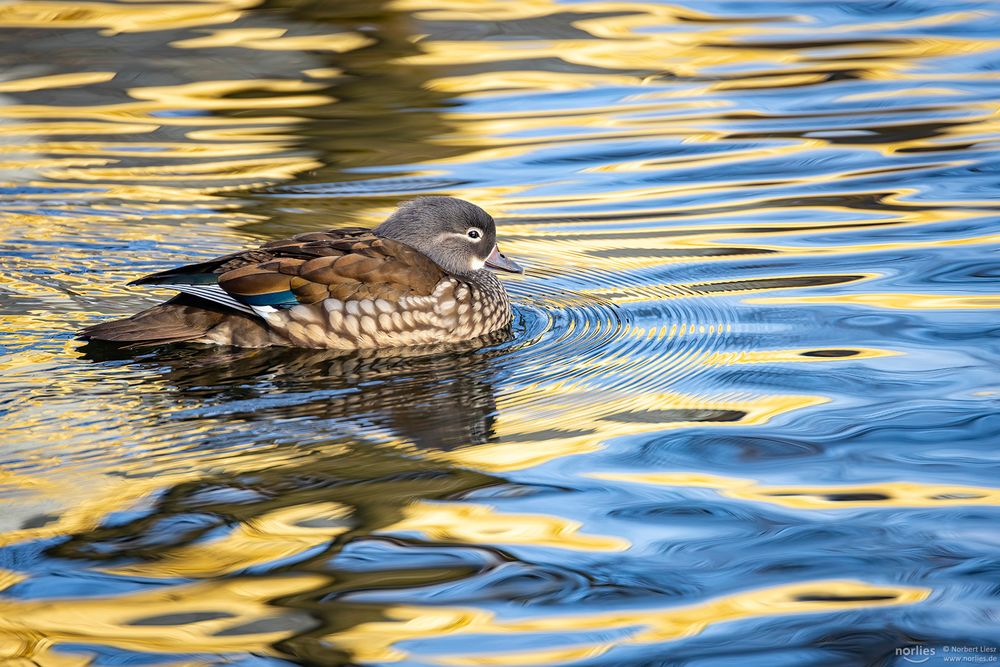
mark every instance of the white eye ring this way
{"type": "Point", "coordinates": [474, 233]}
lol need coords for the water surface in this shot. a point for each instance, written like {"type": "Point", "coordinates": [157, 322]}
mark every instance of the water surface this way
{"type": "Point", "coordinates": [747, 413]}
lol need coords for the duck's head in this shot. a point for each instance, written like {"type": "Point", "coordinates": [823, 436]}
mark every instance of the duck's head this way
{"type": "Point", "coordinates": [458, 236]}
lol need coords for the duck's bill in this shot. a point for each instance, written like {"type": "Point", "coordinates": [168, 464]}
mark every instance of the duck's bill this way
{"type": "Point", "coordinates": [498, 262]}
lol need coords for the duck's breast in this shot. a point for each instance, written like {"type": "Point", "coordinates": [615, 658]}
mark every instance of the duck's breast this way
{"type": "Point", "coordinates": [454, 311]}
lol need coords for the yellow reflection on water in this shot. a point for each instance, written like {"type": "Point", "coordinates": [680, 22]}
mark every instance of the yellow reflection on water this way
{"type": "Point", "coordinates": [642, 293]}
{"type": "Point", "coordinates": [376, 642]}
{"type": "Point", "coordinates": [55, 81]}
{"type": "Point", "coordinates": [121, 17]}
{"type": "Point", "coordinates": [260, 170]}
{"type": "Point", "coordinates": [795, 356]}
{"type": "Point", "coordinates": [217, 617]}
{"type": "Point", "coordinates": [275, 39]}
{"type": "Point", "coordinates": [466, 523]}
{"type": "Point", "coordinates": [840, 496]}
{"type": "Point", "coordinates": [896, 301]}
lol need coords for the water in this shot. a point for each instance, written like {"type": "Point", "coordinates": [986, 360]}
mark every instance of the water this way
{"type": "Point", "coordinates": [747, 414]}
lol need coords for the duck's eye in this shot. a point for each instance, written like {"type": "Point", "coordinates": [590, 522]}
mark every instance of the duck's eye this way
{"type": "Point", "coordinates": [474, 233]}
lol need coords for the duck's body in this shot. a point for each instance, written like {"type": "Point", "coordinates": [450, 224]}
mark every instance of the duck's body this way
{"type": "Point", "coordinates": [341, 289]}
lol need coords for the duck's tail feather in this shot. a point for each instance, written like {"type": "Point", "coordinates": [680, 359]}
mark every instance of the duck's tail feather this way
{"type": "Point", "coordinates": [183, 318]}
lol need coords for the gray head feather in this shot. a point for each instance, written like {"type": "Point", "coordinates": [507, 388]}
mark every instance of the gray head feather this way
{"type": "Point", "coordinates": [457, 235]}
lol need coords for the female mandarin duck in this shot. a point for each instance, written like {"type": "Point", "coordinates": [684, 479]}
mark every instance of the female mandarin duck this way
{"type": "Point", "coordinates": [421, 277]}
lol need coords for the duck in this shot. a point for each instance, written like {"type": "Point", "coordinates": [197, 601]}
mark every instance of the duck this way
{"type": "Point", "coordinates": [424, 276]}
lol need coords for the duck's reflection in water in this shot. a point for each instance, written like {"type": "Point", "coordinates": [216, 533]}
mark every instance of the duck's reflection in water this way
{"type": "Point", "coordinates": [437, 398]}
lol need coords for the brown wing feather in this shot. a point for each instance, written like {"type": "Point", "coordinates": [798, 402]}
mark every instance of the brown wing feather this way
{"type": "Point", "coordinates": [345, 266]}
{"type": "Point", "coordinates": [302, 246]}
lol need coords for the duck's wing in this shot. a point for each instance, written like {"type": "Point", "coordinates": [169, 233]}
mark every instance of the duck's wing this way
{"type": "Point", "coordinates": [344, 264]}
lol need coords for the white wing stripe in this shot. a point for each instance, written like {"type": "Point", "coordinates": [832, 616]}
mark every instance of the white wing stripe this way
{"type": "Point", "coordinates": [212, 293]}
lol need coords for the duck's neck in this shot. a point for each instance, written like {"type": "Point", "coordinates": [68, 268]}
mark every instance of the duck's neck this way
{"type": "Point", "coordinates": [485, 280]}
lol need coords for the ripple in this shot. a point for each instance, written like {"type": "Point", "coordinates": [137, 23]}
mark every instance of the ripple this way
{"type": "Point", "coordinates": [371, 186]}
